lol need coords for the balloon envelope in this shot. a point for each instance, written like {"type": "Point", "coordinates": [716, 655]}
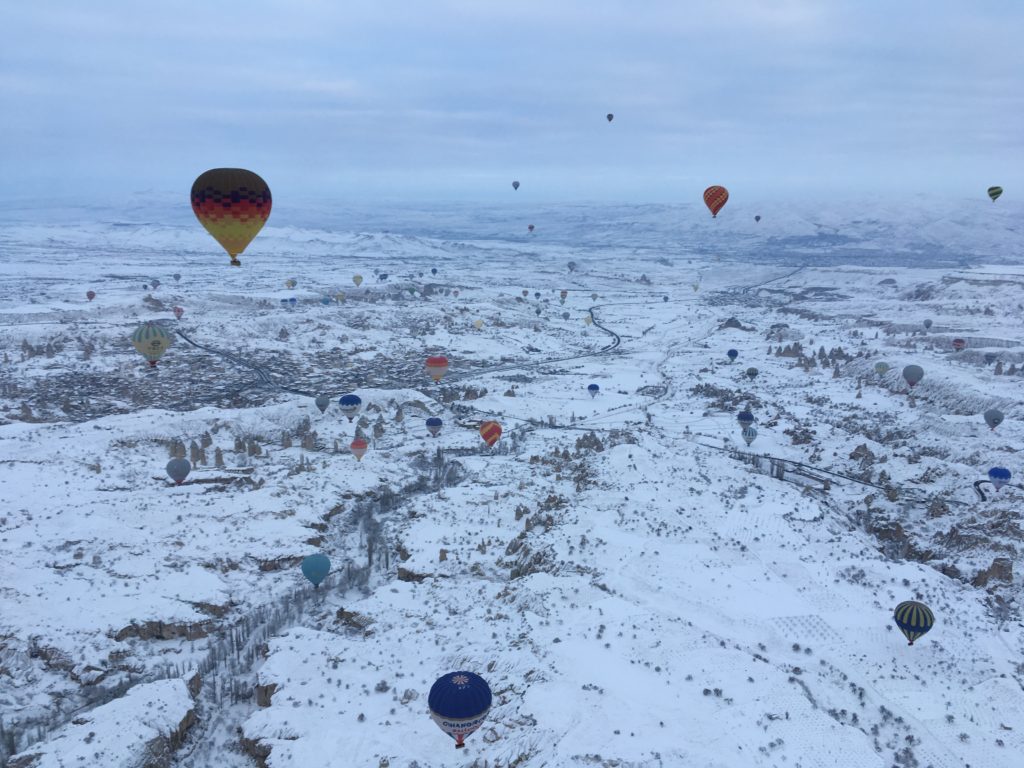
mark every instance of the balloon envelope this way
{"type": "Point", "coordinates": [745, 418]}
{"type": "Point", "coordinates": [357, 279]}
{"type": "Point", "coordinates": [358, 448]}
{"type": "Point", "coordinates": [315, 568]}
{"type": "Point", "coordinates": [90, 295]}
{"type": "Point", "coordinates": [959, 345]}
{"type": "Point", "coordinates": [993, 417]}
{"type": "Point", "coordinates": [232, 204]}
{"type": "Point", "coordinates": [530, 227]}
{"type": "Point", "coordinates": [914, 619]}
{"type": "Point", "coordinates": [927, 324]}
{"type": "Point", "coordinates": [749, 435]}
{"type": "Point", "coordinates": [881, 368]}
{"type": "Point", "coordinates": [178, 312]}
{"type": "Point", "coordinates": [490, 431]}
{"type": "Point", "coordinates": [437, 367]}
{"type": "Point", "coordinates": [999, 476]}
{"type": "Point", "coordinates": [715, 198]}
{"type": "Point", "coordinates": [593, 389]}
{"type": "Point", "coordinates": [151, 341]}
{"type": "Point", "coordinates": [350, 405]}
{"type": "Point", "coordinates": [995, 192]}
{"type": "Point", "coordinates": [732, 354]}
{"type": "Point", "coordinates": [752, 373]}
{"type": "Point", "coordinates": [322, 401]}
{"type": "Point", "coordinates": [610, 117]}
{"type": "Point", "coordinates": [912, 374]}
{"type": "Point", "coordinates": [757, 218]}
{"type": "Point", "coordinates": [434, 425]}
{"type": "Point", "coordinates": [459, 703]}
{"type": "Point", "coordinates": [515, 185]}
{"type": "Point", "coordinates": [178, 469]}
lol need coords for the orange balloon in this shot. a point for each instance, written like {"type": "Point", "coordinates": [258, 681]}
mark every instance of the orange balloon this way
{"type": "Point", "coordinates": [715, 198]}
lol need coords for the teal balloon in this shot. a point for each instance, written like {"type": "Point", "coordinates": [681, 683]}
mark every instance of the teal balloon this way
{"type": "Point", "coordinates": [315, 568]}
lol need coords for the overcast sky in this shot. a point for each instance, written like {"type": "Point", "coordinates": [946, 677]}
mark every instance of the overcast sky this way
{"type": "Point", "coordinates": [424, 100]}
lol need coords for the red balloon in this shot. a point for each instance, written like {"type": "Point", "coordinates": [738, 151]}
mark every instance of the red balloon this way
{"type": "Point", "coordinates": [178, 312]}
{"type": "Point", "coordinates": [90, 295]}
{"type": "Point", "coordinates": [358, 448]}
{"type": "Point", "coordinates": [437, 367]}
{"type": "Point", "coordinates": [715, 198]}
{"type": "Point", "coordinates": [490, 431]}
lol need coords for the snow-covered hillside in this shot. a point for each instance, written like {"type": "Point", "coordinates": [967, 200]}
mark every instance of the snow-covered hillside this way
{"type": "Point", "coordinates": [637, 586]}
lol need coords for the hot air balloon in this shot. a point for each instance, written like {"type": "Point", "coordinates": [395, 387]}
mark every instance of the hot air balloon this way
{"type": "Point", "coordinates": [490, 431]}
{"type": "Point", "coordinates": [745, 418]}
{"type": "Point", "coordinates": [325, 300]}
{"type": "Point", "coordinates": [526, 294]}
{"type": "Point", "coordinates": [913, 374]}
{"type": "Point", "coordinates": [434, 425]}
{"type": "Point", "coordinates": [437, 367]}
{"type": "Point", "coordinates": [315, 568]}
{"type": "Point", "coordinates": [565, 315]}
{"type": "Point", "coordinates": [358, 448]}
{"type": "Point", "coordinates": [155, 283]}
{"type": "Point", "coordinates": [292, 301]}
{"type": "Point", "coordinates": [749, 434]}
{"type": "Point", "coordinates": [593, 297]}
{"type": "Point", "coordinates": [999, 476]}
{"type": "Point", "coordinates": [529, 227]}
{"type": "Point", "coordinates": [881, 368]}
{"type": "Point", "coordinates": [927, 324]}
{"type": "Point", "coordinates": [959, 345]}
{"type": "Point", "coordinates": [696, 286]}
{"type": "Point", "coordinates": [714, 198]}
{"type": "Point", "coordinates": [587, 319]}
{"type": "Point", "coordinates": [178, 312]}
{"type": "Point", "coordinates": [593, 389]}
{"type": "Point", "coordinates": [478, 324]}
{"type": "Point", "coordinates": [350, 405]}
{"type": "Point", "coordinates": [232, 204]}
{"type": "Point", "coordinates": [572, 265]}
{"type": "Point", "coordinates": [291, 282]}
{"type": "Point", "coordinates": [178, 469]}
{"type": "Point", "coordinates": [358, 280]}
{"type": "Point", "coordinates": [459, 703]}
{"type": "Point", "coordinates": [433, 270]}
{"type": "Point", "coordinates": [176, 276]}
{"type": "Point", "coordinates": [752, 373]}
{"type": "Point", "coordinates": [455, 293]}
{"type": "Point", "coordinates": [90, 295]}
{"type": "Point", "coordinates": [732, 354]}
{"type": "Point", "coordinates": [664, 298]}
{"type": "Point", "coordinates": [757, 218]}
{"type": "Point", "coordinates": [993, 417]}
{"type": "Point", "coordinates": [563, 296]}
{"type": "Point", "coordinates": [914, 619]}
{"type": "Point", "coordinates": [339, 297]}
{"type": "Point", "coordinates": [151, 341]}
{"type": "Point", "coordinates": [515, 185]}
{"type": "Point", "coordinates": [536, 295]}
{"type": "Point", "coordinates": [610, 117]}
{"type": "Point", "coordinates": [322, 401]}
{"type": "Point", "coordinates": [995, 192]}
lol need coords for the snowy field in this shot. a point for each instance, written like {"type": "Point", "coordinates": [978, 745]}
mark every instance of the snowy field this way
{"type": "Point", "coordinates": [638, 587]}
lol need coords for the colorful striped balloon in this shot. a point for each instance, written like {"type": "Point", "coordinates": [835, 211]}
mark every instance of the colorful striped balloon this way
{"type": "Point", "coordinates": [490, 431]}
{"type": "Point", "coordinates": [151, 341]}
{"type": "Point", "coordinates": [914, 619]}
{"type": "Point", "coordinates": [232, 204]}
{"type": "Point", "coordinates": [437, 367]}
{"type": "Point", "coordinates": [715, 198]}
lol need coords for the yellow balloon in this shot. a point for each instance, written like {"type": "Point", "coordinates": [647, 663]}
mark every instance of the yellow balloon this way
{"type": "Point", "coordinates": [358, 279]}
{"type": "Point", "coordinates": [478, 324]}
{"type": "Point", "coordinates": [232, 204]}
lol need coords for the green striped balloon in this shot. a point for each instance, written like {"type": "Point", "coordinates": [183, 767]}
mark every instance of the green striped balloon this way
{"type": "Point", "coordinates": [995, 192]}
{"type": "Point", "coordinates": [151, 341]}
{"type": "Point", "coordinates": [914, 619]}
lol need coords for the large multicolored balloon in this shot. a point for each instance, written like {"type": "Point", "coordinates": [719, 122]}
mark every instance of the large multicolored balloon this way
{"type": "Point", "coordinates": [995, 192]}
{"type": "Point", "coordinates": [913, 374]}
{"type": "Point", "coordinates": [151, 341]}
{"type": "Point", "coordinates": [232, 204]}
{"type": "Point", "coordinates": [350, 405]}
{"type": "Point", "coordinates": [993, 417]}
{"type": "Point", "coordinates": [459, 703]}
{"type": "Point", "coordinates": [434, 425]}
{"type": "Point", "coordinates": [90, 295]}
{"type": "Point", "coordinates": [358, 448]}
{"type": "Point", "coordinates": [437, 367]}
{"type": "Point", "coordinates": [315, 568]}
{"type": "Point", "coordinates": [914, 619]}
{"type": "Point", "coordinates": [715, 198]}
{"type": "Point", "coordinates": [490, 431]}
{"type": "Point", "coordinates": [178, 469]}
{"type": "Point", "coordinates": [999, 476]}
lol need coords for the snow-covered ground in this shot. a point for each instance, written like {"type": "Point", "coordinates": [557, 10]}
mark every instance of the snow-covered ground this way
{"type": "Point", "coordinates": [637, 586]}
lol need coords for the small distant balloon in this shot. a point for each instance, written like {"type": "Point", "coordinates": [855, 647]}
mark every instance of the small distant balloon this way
{"type": "Point", "coordinates": [565, 315]}
{"type": "Point", "coordinates": [434, 425]}
{"type": "Point", "coordinates": [732, 354]}
{"type": "Point", "coordinates": [455, 293]}
{"type": "Point", "coordinates": [358, 280]}
{"type": "Point", "coordinates": [90, 295]}
{"type": "Point", "coordinates": [155, 283]}
{"type": "Point", "coordinates": [995, 192]}
{"type": "Point", "coordinates": [999, 476]}
{"type": "Point", "coordinates": [433, 270]}
{"type": "Point", "coordinates": [490, 431]}
{"type": "Point", "coordinates": [322, 401]}
{"type": "Point", "coordinates": [664, 298]}
{"type": "Point", "coordinates": [293, 301]}
{"type": "Point", "coordinates": [437, 367]}
{"type": "Point", "coordinates": [291, 282]}
{"type": "Point", "coordinates": [914, 619]}
{"type": "Point", "coordinates": [178, 312]}
{"type": "Point", "coordinates": [593, 389]}
{"type": "Point", "coordinates": [610, 117]}
{"type": "Point", "coordinates": [315, 568]}
{"type": "Point", "coordinates": [881, 368]}
{"type": "Point", "coordinates": [358, 448]}
{"type": "Point", "coordinates": [587, 319]}
{"type": "Point", "coordinates": [478, 324]}
{"type": "Point", "coordinates": [752, 373]}
{"type": "Point", "coordinates": [959, 345]}
{"type": "Point", "coordinates": [757, 218]}
{"type": "Point", "coordinates": [927, 324]}
{"type": "Point", "coordinates": [350, 405]}
{"type": "Point", "coordinates": [515, 185]}
{"type": "Point", "coordinates": [526, 294]}
{"type": "Point", "coordinates": [536, 295]}
{"type": "Point", "coordinates": [593, 297]}
{"type": "Point", "coordinates": [178, 469]}
{"type": "Point", "coordinates": [572, 265]}
{"type": "Point", "coordinates": [325, 300]}
{"type": "Point", "coordinates": [151, 341]}
{"type": "Point", "coordinates": [176, 276]}
{"type": "Point", "coordinates": [530, 227]}
{"type": "Point", "coordinates": [749, 434]}
{"type": "Point", "coordinates": [993, 417]}
{"type": "Point", "coordinates": [339, 297]}
{"type": "Point", "coordinates": [745, 418]}
{"type": "Point", "coordinates": [715, 198]}
{"type": "Point", "coordinates": [913, 374]}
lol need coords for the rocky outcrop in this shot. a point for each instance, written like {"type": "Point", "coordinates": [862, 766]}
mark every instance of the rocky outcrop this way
{"type": "Point", "coordinates": [159, 630]}
{"type": "Point", "coordinates": [1000, 570]}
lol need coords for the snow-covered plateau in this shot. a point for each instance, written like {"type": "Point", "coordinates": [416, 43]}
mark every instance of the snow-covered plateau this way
{"type": "Point", "coordinates": [638, 586]}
